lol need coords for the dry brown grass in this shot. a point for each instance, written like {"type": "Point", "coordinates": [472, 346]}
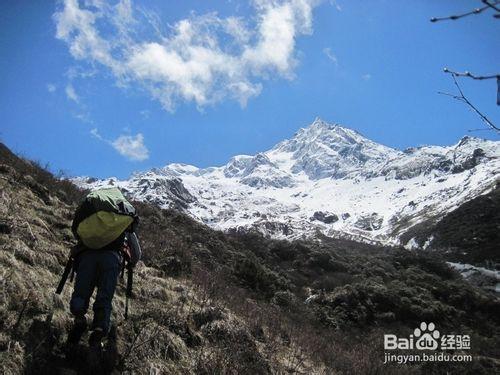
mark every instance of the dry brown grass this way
{"type": "Point", "coordinates": [175, 326]}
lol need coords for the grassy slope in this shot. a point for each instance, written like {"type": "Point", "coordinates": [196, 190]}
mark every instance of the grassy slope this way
{"type": "Point", "coordinates": [207, 302]}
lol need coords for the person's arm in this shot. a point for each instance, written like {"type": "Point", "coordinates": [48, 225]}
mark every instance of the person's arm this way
{"type": "Point", "coordinates": [135, 248]}
{"type": "Point", "coordinates": [76, 221]}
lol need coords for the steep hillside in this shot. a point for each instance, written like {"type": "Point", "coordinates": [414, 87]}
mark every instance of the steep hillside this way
{"type": "Point", "coordinates": [468, 234]}
{"type": "Point", "coordinates": [211, 302]}
{"type": "Point", "coordinates": [327, 179]}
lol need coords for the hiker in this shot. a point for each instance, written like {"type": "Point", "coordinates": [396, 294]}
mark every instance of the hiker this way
{"type": "Point", "coordinates": [104, 225]}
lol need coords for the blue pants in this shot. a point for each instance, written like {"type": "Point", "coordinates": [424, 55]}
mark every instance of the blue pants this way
{"type": "Point", "coordinates": [96, 268]}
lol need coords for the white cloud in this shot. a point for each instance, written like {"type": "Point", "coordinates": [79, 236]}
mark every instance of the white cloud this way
{"type": "Point", "coordinates": [51, 87]}
{"type": "Point", "coordinates": [71, 93]}
{"type": "Point", "coordinates": [84, 116]}
{"type": "Point", "coordinates": [131, 147]}
{"type": "Point", "coordinates": [336, 4]}
{"type": "Point", "coordinates": [366, 76]}
{"type": "Point", "coordinates": [331, 56]}
{"type": "Point", "coordinates": [123, 15]}
{"type": "Point", "coordinates": [95, 133]}
{"type": "Point", "coordinates": [77, 27]}
{"type": "Point", "coordinates": [203, 59]}
{"type": "Point", "coordinates": [279, 25]}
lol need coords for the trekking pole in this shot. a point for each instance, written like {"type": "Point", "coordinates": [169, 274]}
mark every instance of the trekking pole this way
{"type": "Point", "coordinates": [67, 270]}
{"type": "Point", "coordinates": [128, 293]}
{"type": "Point", "coordinates": [126, 306]}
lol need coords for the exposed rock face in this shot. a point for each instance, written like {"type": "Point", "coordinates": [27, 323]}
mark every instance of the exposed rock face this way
{"type": "Point", "coordinates": [369, 222]}
{"type": "Point", "coordinates": [160, 190]}
{"type": "Point", "coordinates": [471, 161]}
{"type": "Point", "coordinates": [325, 217]}
{"type": "Point", "coordinates": [274, 228]}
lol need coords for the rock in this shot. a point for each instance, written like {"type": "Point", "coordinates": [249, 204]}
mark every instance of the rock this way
{"type": "Point", "coordinates": [325, 217]}
{"type": "Point", "coordinates": [369, 222]}
{"type": "Point", "coordinates": [163, 190]}
{"type": "Point", "coordinates": [275, 227]}
{"type": "Point", "coordinates": [5, 228]}
{"type": "Point", "coordinates": [260, 172]}
{"type": "Point", "coordinates": [278, 181]}
{"type": "Point", "coordinates": [470, 162]}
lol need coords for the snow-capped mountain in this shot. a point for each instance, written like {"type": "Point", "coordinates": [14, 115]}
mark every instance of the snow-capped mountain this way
{"type": "Point", "coordinates": [327, 179]}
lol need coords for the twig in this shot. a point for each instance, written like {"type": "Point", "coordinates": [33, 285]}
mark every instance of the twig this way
{"type": "Point", "coordinates": [477, 130]}
{"type": "Point", "coordinates": [480, 78]}
{"type": "Point", "coordinates": [47, 228]}
{"type": "Point", "coordinates": [132, 345]}
{"type": "Point", "coordinates": [476, 77]}
{"type": "Point", "coordinates": [492, 6]}
{"type": "Point", "coordinates": [31, 232]}
{"type": "Point", "coordinates": [21, 313]}
{"type": "Point", "coordinates": [471, 75]}
{"type": "Point", "coordinates": [474, 11]}
{"type": "Point", "coordinates": [464, 99]}
{"type": "Point", "coordinates": [498, 90]}
{"type": "Point", "coordinates": [457, 97]}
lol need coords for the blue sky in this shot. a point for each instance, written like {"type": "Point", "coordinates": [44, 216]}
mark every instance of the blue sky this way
{"type": "Point", "coordinates": [107, 88]}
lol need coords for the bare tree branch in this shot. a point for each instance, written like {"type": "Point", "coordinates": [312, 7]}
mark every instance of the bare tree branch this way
{"type": "Point", "coordinates": [478, 130]}
{"type": "Point", "coordinates": [470, 75]}
{"type": "Point", "coordinates": [498, 90]}
{"type": "Point", "coordinates": [463, 98]}
{"type": "Point", "coordinates": [492, 6]}
{"type": "Point", "coordinates": [488, 5]}
{"type": "Point", "coordinates": [457, 97]}
{"type": "Point", "coordinates": [480, 78]}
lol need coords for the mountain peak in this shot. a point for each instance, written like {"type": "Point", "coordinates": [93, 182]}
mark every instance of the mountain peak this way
{"type": "Point", "coordinates": [321, 125]}
{"type": "Point", "coordinates": [319, 122]}
{"type": "Point", "coordinates": [330, 150]}
{"type": "Point", "coordinates": [322, 130]}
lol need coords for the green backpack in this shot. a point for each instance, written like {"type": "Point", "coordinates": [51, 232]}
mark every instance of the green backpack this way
{"type": "Point", "coordinates": [102, 217]}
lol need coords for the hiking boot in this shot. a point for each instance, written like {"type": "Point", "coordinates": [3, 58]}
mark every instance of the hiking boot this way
{"type": "Point", "coordinates": [76, 333]}
{"type": "Point", "coordinates": [96, 337]}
